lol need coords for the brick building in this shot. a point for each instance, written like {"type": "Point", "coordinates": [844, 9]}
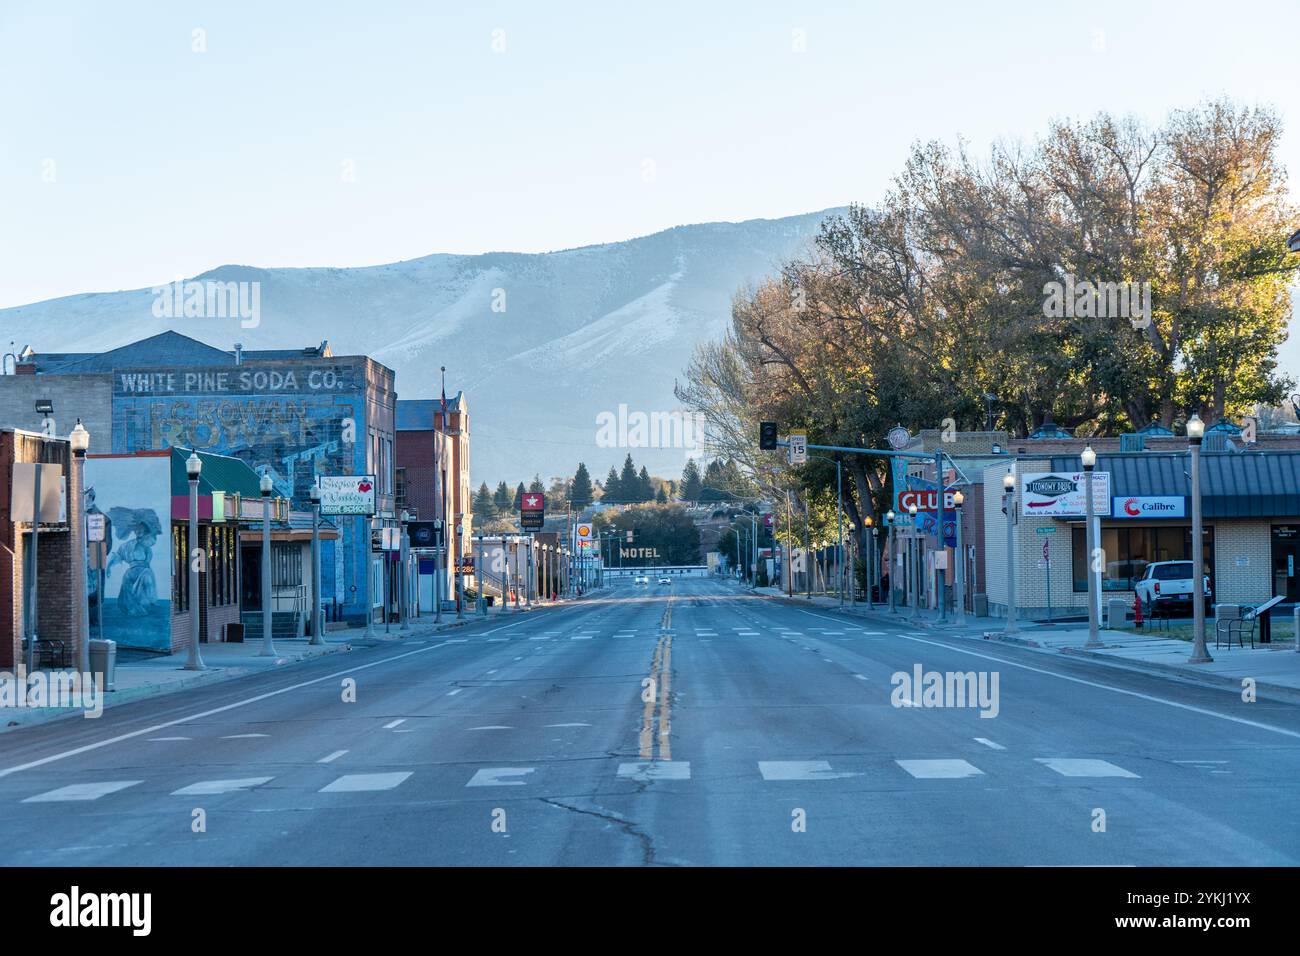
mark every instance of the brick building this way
{"type": "Point", "coordinates": [57, 617]}
{"type": "Point", "coordinates": [423, 437]}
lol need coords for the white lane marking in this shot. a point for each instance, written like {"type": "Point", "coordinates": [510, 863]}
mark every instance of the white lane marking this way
{"type": "Point", "coordinates": [544, 637]}
{"type": "Point", "coordinates": [243, 736]}
{"type": "Point", "coordinates": [800, 770]}
{"type": "Point", "coordinates": [453, 693]}
{"type": "Point", "coordinates": [86, 748]}
{"type": "Point", "coordinates": [939, 769]}
{"type": "Point", "coordinates": [580, 637]}
{"type": "Point", "coordinates": [860, 676]}
{"type": "Point", "coordinates": [404, 731]}
{"type": "Point", "coordinates": [82, 791]}
{"type": "Point", "coordinates": [393, 723]}
{"type": "Point", "coordinates": [656, 770]}
{"type": "Point", "coordinates": [359, 782]}
{"type": "Point", "coordinates": [988, 743]}
{"type": "Point", "coordinates": [1200, 761]}
{"type": "Point", "coordinates": [207, 787]}
{"type": "Point", "coordinates": [332, 757]}
{"type": "Point", "coordinates": [828, 660]}
{"type": "Point", "coordinates": [492, 671]}
{"type": "Point", "coordinates": [498, 777]}
{"type": "Point", "coordinates": [1088, 683]}
{"type": "Point", "coordinates": [156, 740]}
{"type": "Point", "coordinates": [498, 640]}
{"type": "Point", "coordinates": [569, 725]}
{"type": "Point", "coordinates": [1084, 767]}
{"type": "Point", "coordinates": [493, 727]}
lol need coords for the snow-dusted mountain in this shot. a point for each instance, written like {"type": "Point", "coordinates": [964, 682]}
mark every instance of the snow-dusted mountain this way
{"type": "Point", "coordinates": [540, 343]}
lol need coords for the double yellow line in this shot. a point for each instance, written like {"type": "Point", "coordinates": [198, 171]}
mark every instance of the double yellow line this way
{"type": "Point", "coordinates": [660, 683]}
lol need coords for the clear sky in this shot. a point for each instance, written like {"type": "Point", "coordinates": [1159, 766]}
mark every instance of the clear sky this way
{"type": "Point", "coordinates": [588, 122]}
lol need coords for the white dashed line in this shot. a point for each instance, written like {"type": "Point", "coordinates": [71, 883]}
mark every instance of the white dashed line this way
{"type": "Point", "coordinates": [332, 757]}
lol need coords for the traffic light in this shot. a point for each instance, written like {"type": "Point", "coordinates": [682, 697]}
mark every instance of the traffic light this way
{"type": "Point", "coordinates": [767, 435]}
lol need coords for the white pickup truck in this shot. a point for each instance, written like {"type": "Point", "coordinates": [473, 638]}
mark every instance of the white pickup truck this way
{"type": "Point", "coordinates": [1167, 586]}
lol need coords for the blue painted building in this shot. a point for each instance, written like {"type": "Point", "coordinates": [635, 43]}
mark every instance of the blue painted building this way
{"type": "Point", "coordinates": [290, 413]}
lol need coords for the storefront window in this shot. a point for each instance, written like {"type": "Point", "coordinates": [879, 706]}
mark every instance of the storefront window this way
{"type": "Point", "coordinates": [1128, 550]}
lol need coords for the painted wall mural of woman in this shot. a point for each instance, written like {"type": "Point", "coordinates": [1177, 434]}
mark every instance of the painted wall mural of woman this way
{"type": "Point", "coordinates": [139, 588]}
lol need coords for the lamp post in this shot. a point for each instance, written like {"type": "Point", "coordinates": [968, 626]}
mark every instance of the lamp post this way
{"type": "Point", "coordinates": [870, 565]}
{"type": "Point", "coordinates": [460, 581]}
{"type": "Point", "coordinates": [915, 566]}
{"type": "Point", "coordinates": [79, 439]}
{"type": "Point", "coordinates": [1009, 497]}
{"type": "Point", "coordinates": [266, 485]}
{"type": "Point", "coordinates": [317, 619]}
{"type": "Point", "coordinates": [1089, 459]}
{"type": "Point", "coordinates": [193, 468]}
{"type": "Point", "coordinates": [403, 599]}
{"type": "Point", "coordinates": [1200, 653]}
{"type": "Point", "coordinates": [959, 572]}
{"type": "Point", "coordinates": [889, 548]}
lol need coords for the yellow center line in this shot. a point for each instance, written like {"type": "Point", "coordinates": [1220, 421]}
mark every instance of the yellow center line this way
{"type": "Point", "coordinates": [647, 714]}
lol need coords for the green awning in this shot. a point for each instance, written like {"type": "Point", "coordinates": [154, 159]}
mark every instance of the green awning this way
{"type": "Point", "coordinates": [221, 473]}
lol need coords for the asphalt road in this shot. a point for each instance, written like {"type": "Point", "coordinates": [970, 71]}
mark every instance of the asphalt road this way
{"type": "Point", "coordinates": [684, 724]}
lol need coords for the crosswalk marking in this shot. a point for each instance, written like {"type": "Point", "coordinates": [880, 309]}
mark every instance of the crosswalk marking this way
{"type": "Point", "coordinates": [1084, 767]}
{"type": "Point", "coordinates": [364, 782]}
{"type": "Point", "coordinates": [208, 787]}
{"type": "Point", "coordinates": [656, 770]}
{"type": "Point", "coordinates": [82, 791]}
{"type": "Point", "coordinates": [800, 770]}
{"type": "Point", "coordinates": [939, 769]}
{"type": "Point", "coordinates": [498, 777]}
{"type": "Point", "coordinates": [332, 757]}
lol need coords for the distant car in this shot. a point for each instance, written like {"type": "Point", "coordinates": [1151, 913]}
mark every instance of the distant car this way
{"type": "Point", "coordinates": [665, 580]}
{"type": "Point", "coordinates": [1168, 585]}
{"type": "Point", "coordinates": [640, 579]}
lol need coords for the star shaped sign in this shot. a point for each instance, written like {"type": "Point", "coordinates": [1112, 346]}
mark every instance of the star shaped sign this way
{"type": "Point", "coordinates": [533, 502]}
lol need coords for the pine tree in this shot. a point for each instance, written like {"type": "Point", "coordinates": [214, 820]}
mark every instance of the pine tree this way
{"type": "Point", "coordinates": [628, 487]}
{"type": "Point", "coordinates": [484, 507]}
{"type": "Point", "coordinates": [502, 498]}
{"type": "Point", "coordinates": [535, 486]}
{"type": "Point", "coordinates": [519, 496]}
{"type": "Point", "coordinates": [661, 497]}
{"type": "Point", "coordinates": [692, 483]}
{"type": "Point", "coordinates": [580, 493]}
{"type": "Point", "coordinates": [645, 489]}
{"type": "Point", "coordinates": [612, 493]}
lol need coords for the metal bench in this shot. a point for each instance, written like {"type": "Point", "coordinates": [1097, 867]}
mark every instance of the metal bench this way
{"type": "Point", "coordinates": [52, 654]}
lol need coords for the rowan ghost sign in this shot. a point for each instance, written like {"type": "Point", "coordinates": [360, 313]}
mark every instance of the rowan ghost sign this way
{"type": "Point", "coordinates": [294, 420]}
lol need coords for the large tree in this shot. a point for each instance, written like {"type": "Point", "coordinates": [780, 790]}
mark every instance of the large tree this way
{"type": "Point", "coordinates": [612, 491]}
{"type": "Point", "coordinates": [580, 492]}
{"type": "Point", "coordinates": [692, 483]}
{"type": "Point", "coordinates": [484, 507]}
{"type": "Point", "coordinates": [628, 486]}
{"type": "Point", "coordinates": [501, 498]}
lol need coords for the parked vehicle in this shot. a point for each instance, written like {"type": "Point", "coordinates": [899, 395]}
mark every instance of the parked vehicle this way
{"type": "Point", "coordinates": [1167, 586]}
{"type": "Point", "coordinates": [641, 579]}
{"type": "Point", "coordinates": [665, 580]}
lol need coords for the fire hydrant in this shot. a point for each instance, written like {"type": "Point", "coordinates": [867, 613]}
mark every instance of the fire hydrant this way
{"type": "Point", "coordinates": [1137, 612]}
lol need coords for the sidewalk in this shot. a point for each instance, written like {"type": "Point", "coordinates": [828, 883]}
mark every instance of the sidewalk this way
{"type": "Point", "coordinates": [1275, 668]}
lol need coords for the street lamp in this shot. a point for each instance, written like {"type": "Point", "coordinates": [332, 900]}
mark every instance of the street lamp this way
{"type": "Point", "coordinates": [1009, 503]}
{"type": "Point", "coordinates": [317, 622]}
{"type": "Point", "coordinates": [868, 568]}
{"type": "Point", "coordinates": [914, 566]}
{"type": "Point", "coordinates": [403, 573]}
{"type": "Point", "coordinates": [889, 548]}
{"type": "Point", "coordinates": [265, 486]}
{"type": "Point", "coordinates": [959, 572]}
{"type": "Point", "coordinates": [193, 468]}
{"type": "Point", "coordinates": [1089, 459]}
{"type": "Point", "coordinates": [1200, 653]}
{"type": "Point", "coordinates": [79, 439]}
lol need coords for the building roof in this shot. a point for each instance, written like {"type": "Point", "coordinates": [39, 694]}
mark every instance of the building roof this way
{"type": "Point", "coordinates": [1233, 485]}
{"type": "Point", "coordinates": [165, 348]}
{"type": "Point", "coordinates": [418, 414]}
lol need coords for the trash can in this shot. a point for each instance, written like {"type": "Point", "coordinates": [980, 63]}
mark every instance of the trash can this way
{"type": "Point", "coordinates": [103, 660]}
{"type": "Point", "coordinates": [1116, 614]}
